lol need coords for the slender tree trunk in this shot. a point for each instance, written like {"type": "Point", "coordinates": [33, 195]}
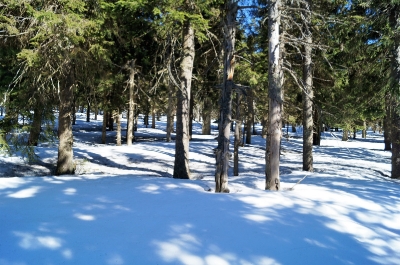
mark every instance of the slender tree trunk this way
{"type": "Point", "coordinates": [104, 129]}
{"type": "Point", "coordinates": [387, 124]}
{"type": "Point", "coordinates": [238, 140]}
{"type": "Point", "coordinates": [181, 165]}
{"type": "Point", "coordinates": [318, 127]}
{"type": "Point", "coordinates": [250, 116]}
{"type": "Point", "coordinates": [153, 116]}
{"type": "Point", "coordinates": [65, 161]}
{"type": "Point", "coordinates": [206, 114]}
{"type": "Point", "coordinates": [222, 152]}
{"type": "Point", "coordinates": [119, 133]}
{"type": "Point", "coordinates": [88, 111]}
{"type": "Point", "coordinates": [131, 115]}
{"type": "Point", "coordinates": [275, 80]}
{"type": "Point", "coordinates": [96, 108]}
{"type": "Point", "coordinates": [308, 93]}
{"type": "Point", "coordinates": [171, 111]}
{"type": "Point", "coordinates": [36, 126]}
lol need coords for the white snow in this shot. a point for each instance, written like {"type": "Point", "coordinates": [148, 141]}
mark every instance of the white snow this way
{"type": "Point", "coordinates": [123, 206]}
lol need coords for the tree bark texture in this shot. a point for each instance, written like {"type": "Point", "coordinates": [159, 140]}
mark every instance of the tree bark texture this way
{"type": "Point", "coordinates": [65, 161]}
{"type": "Point", "coordinates": [104, 128]}
{"type": "Point", "coordinates": [275, 80]}
{"type": "Point", "coordinates": [130, 134]}
{"type": "Point", "coordinates": [181, 165]}
{"type": "Point", "coordinates": [222, 153]}
{"type": "Point", "coordinates": [308, 93]}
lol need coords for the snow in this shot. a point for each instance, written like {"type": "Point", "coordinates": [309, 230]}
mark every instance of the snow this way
{"type": "Point", "coordinates": [123, 206]}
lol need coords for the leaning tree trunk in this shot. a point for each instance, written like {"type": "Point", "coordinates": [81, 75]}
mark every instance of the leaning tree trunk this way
{"type": "Point", "coordinates": [308, 93]}
{"type": "Point", "coordinates": [65, 161]}
{"type": "Point", "coordinates": [181, 165]}
{"type": "Point", "coordinates": [36, 126]}
{"type": "Point", "coordinates": [222, 153]}
{"type": "Point", "coordinates": [275, 80]}
{"type": "Point", "coordinates": [386, 124]}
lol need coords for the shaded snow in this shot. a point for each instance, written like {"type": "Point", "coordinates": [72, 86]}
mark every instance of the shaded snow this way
{"type": "Point", "coordinates": [123, 207]}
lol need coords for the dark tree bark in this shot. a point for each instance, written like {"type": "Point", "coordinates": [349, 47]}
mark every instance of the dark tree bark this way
{"type": "Point", "coordinates": [222, 153]}
{"type": "Point", "coordinates": [65, 161]}
{"type": "Point", "coordinates": [36, 126]}
{"type": "Point", "coordinates": [181, 165]}
{"type": "Point", "coordinates": [395, 71]}
{"type": "Point", "coordinates": [206, 115]}
{"type": "Point", "coordinates": [308, 92]}
{"type": "Point", "coordinates": [153, 116]}
{"type": "Point", "coordinates": [88, 111]}
{"type": "Point", "coordinates": [250, 116]}
{"type": "Point", "coordinates": [275, 81]}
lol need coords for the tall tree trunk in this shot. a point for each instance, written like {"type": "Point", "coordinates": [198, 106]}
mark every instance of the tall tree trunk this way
{"type": "Point", "coordinates": [318, 126]}
{"type": "Point", "coordinates": [181, 165]}
{"type": "Point", "coordinates": [395, 65]}
{"type": "Point", "coordinates": [387, 123]}
{"type": "Point", "coordinates": [171, 111]}
{"type": "Point", "coordinates": [36, 126]}
{"type": "Point", "coordinates": [238, 140]}
{"type": "Point", "coordinates": [222, 152]}
{"type": "Point", "coordinates": [308, 93]}
{"type": "Point", "coordinates": [118, 120]}
{"type": "Point", "coordinates": [206, 117]}
{"type": "Point", "coordinates": [131, 115]}
{"type": "Point", "coordinates": [65, 161]}
{"type": "Point", "coordinates": [275, 80]}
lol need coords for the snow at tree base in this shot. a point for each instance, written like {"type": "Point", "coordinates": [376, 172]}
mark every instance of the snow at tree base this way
{"type": "Point", "coordinates": [124, 207]}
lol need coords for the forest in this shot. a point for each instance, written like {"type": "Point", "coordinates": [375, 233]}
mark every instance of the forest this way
{"type": "Point", "coordinates": [324, 65]}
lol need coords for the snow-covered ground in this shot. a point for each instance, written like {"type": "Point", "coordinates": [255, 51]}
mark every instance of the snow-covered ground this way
{"type": "Point", "coordinates": [123, 207]}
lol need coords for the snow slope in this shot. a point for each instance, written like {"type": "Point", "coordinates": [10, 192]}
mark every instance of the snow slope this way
{"type": "Point", "coordinates": [123, 207]}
